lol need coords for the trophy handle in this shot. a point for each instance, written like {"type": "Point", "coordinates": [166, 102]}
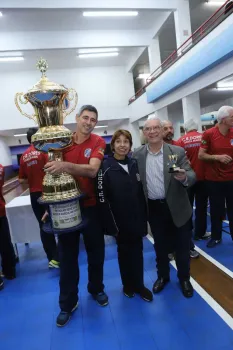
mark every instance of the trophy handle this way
{"type": "Point", "coordinates": [72, 95]}
{"type": "Point", "coordinates": [18, 99]}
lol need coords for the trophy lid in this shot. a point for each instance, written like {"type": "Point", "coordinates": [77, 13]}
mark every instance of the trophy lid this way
{"type": "Point", "coordinates": [44, 85]}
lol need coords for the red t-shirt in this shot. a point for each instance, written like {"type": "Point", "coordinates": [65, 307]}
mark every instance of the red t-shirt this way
{"type": "Point", "coordinates": [81, 154]}
{"type": "Point", "coordinates": [191, 142]}
{"type": "Point", "coordinates": [216, 143]}
{"type": "Point", "coordinates": [2, 200]}
{"type": "Point", "coordinates": [32, 163]}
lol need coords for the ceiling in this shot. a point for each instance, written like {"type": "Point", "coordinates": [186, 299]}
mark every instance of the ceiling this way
{"type": "Point", "coordinates": [65, 58]}
{"type": "Point", "coordinates": [71, 19]}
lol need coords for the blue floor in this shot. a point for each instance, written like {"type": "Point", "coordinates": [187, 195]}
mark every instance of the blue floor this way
{"type": "Point", "coordinates": [28, 310]}
{"type": "Point", "coordinates": [223, 252]}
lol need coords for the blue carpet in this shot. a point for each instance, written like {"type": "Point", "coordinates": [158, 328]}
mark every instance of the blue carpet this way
{"type": "Point", "coordinates": [29, 306]}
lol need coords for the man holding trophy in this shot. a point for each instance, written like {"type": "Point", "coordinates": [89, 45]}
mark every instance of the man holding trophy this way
{"type": "Point", "coordinates": [68, 185]}
{"type": "Point", "coordinates": [166, 173]}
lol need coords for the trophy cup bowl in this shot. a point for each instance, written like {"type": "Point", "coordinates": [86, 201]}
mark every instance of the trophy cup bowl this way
{"type": "Point", "coordinates": [173, 167]}
{"type": "Point", "coordinates": [60, 192]}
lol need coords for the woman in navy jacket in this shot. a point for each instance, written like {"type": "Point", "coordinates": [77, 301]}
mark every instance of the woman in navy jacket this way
{"type": "Point", "coordinates": [124, 213]}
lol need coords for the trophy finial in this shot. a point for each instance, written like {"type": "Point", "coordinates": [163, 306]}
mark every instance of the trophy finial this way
{"type": "Point", "coordinates": [42, 65]}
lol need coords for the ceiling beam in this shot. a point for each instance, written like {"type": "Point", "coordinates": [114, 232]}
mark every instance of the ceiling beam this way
{"type": "Point", "coordinates": [15, 41]}
{"type": "Point", "coordinates": [92, 4]}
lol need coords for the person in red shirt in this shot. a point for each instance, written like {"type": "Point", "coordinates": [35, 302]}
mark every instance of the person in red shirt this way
{"type": "Point", "coordinates": [191, 142]}
{"type": "Point", "coordinates": [6, 248]}
{"type": "Point", "coordinates": [217, 150]}
{"type": "Point", "coordinates": [82, 160]}
{"type": "Point", "coordinates": [168, 134]}
{"type": "Point", "coordinates": [31, 171]}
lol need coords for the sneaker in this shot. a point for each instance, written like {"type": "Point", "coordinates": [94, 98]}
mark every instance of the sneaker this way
{"type": "Point", "coordinates": [1, 283]}
{"type": "Point", "coordinates": [146, 294]}
{"type": "Point", "coordinates": [194, 254]}
{"type": "Point", "coordinates": [64, 317]}
{"type": "Point", "coordinates": [206, 236]}
{"type": "Point", "coordinates": [128, 292]}
{"type": "Point", "coordinates": [213, 242]}
{"type": "Point", "coordinates": [101, 298]}
{"type": "Point", "coordinates": [53, 264]}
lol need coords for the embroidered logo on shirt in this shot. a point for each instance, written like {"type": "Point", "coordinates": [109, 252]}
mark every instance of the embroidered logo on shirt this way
{"type": "Point", "coordinates": [138, 177]}
{"type": "Point", "coordinates": [87, 152]}
{"type": "Point", "coordinates": [204, 142]}
{"type": "Point", "coordinates": [101, 151]}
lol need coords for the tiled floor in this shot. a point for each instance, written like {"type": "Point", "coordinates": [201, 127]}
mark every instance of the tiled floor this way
{"type": "Point", "coordinates": [28, 309]}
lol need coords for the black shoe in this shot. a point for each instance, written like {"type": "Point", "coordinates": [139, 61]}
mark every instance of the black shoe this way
{"type": "Point", "coordinates": [128, 292]}
{"type": "Point", "coordinates": [1, 283]}
{"type": "Point", "coordinates": [101, 298]}
{"type": "Point", "coordinates": [145, 294]}
{"type": "Point", "coordinates": [187, 288]}
{"type": "Point", "coordinates": [160, 284]}
{"type": "Point", "coordinates": [213, 242]}
{"type": "Point", "coordinates": [64, 317]}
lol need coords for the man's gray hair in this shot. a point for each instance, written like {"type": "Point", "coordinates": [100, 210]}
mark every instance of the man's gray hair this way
{"type": "Point", "coordinates": [190, 125]}
{"type": "Point", "coordinates": [152, 118]}
{"type": "Point", "coordinates": [224, 112]}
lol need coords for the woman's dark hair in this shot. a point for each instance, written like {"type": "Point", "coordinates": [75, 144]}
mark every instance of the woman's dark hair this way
{"type": "Point", "coordinates": [31, 132]}
{"type": "Point", "coordinates": [89, 108]}
{"type": "Point", "coordinates": [117, 134]}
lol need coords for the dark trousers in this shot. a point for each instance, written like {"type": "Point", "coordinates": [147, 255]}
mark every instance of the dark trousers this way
{"type": "Point", "coordinates": [220, 192]}
{"type": "Point", "coordinates": [199, 192]}
{"type": "Point", "coordinates": [163, 228]}
{"type": "Point", "coordinates": [130, 259]}
{"type": "Point", "coordinates": [6, 248]}
{"type": "Point", "coordinates": [48, 240]}
{"type": "Point", "coordinates": [68, 253]}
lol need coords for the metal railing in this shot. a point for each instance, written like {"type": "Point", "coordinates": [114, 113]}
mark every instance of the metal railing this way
{"type": "Point", "coordinates": [219, 16]}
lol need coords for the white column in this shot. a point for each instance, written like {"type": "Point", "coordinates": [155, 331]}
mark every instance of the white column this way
{"type": "Point", "coordinates": [5, 159]}
{"type": "Point", "coordinates": [182, 22]}
{"type": "Point", "coordinates": [192, 108]}
{"type": "Point", "coordinates": [154, 55]}
{"type": "Point", "coordinates": [162, 114]}
{"type": "Point", "coordinates": [135, 132]}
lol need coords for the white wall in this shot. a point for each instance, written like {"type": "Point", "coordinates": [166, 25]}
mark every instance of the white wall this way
{"type": "Point", "coordinates": [5, 154]}
{"type": "Point", "coordinates": [106, 88]}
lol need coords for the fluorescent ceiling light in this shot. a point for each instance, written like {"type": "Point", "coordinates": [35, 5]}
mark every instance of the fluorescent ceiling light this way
{"type": "Point", "coordinates": [101, 126]}
{"type": "Point", "coordinates": [92, 55]}
{"type": "Point", "coordinates": [1, 14]}
{"type": "Point", "coordinates": [227, 88]}
{"type": "Point", "coordinates": [143, 75]}
{"type": "Point", "coordinates": [11, 59]}
{"type": "Point", "coordinates": [225, 84]}
{"type": "Point", "coordinates": [215, 2]}
{"type": "Point", "coordinates": [110, 13]}
{"type": "Point", "coordinates": [99, 50]}
{"type": "Point", "coordinates": [18, 135]}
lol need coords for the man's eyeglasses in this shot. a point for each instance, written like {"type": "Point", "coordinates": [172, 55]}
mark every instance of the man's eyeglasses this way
{"type": "Point", "coordinates": [152, 128]}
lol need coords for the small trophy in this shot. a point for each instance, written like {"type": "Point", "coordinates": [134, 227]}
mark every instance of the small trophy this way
{"type": "Point", "coordinates": [60, 192]}
{"type": "Point", "coordinates": [173, 167]}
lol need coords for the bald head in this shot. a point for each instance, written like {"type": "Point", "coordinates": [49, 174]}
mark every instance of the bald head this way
{"type": "Point", "coordinates": [168, 130]}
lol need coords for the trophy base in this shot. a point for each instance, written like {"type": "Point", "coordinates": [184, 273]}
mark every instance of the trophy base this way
{"type": "Point", "coordinates": [174, 170]}
{"type": "Point", "coordinates": [48, 228]}
{"type": "Point", "coordinates": [64, 217]}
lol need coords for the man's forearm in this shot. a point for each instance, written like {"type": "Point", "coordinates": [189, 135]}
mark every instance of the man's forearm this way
{"type": "Point", "coordinates": [207, 157]}
{"type": "Point", "coordinates": [80, 169]}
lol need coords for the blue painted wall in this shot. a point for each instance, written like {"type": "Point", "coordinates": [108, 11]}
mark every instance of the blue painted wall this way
{"type": "Point", "coordinates": [215, 51]}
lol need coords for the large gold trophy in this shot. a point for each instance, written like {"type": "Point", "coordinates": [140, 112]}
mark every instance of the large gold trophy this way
{"type": "Point", "coordinates": [60, 192]}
